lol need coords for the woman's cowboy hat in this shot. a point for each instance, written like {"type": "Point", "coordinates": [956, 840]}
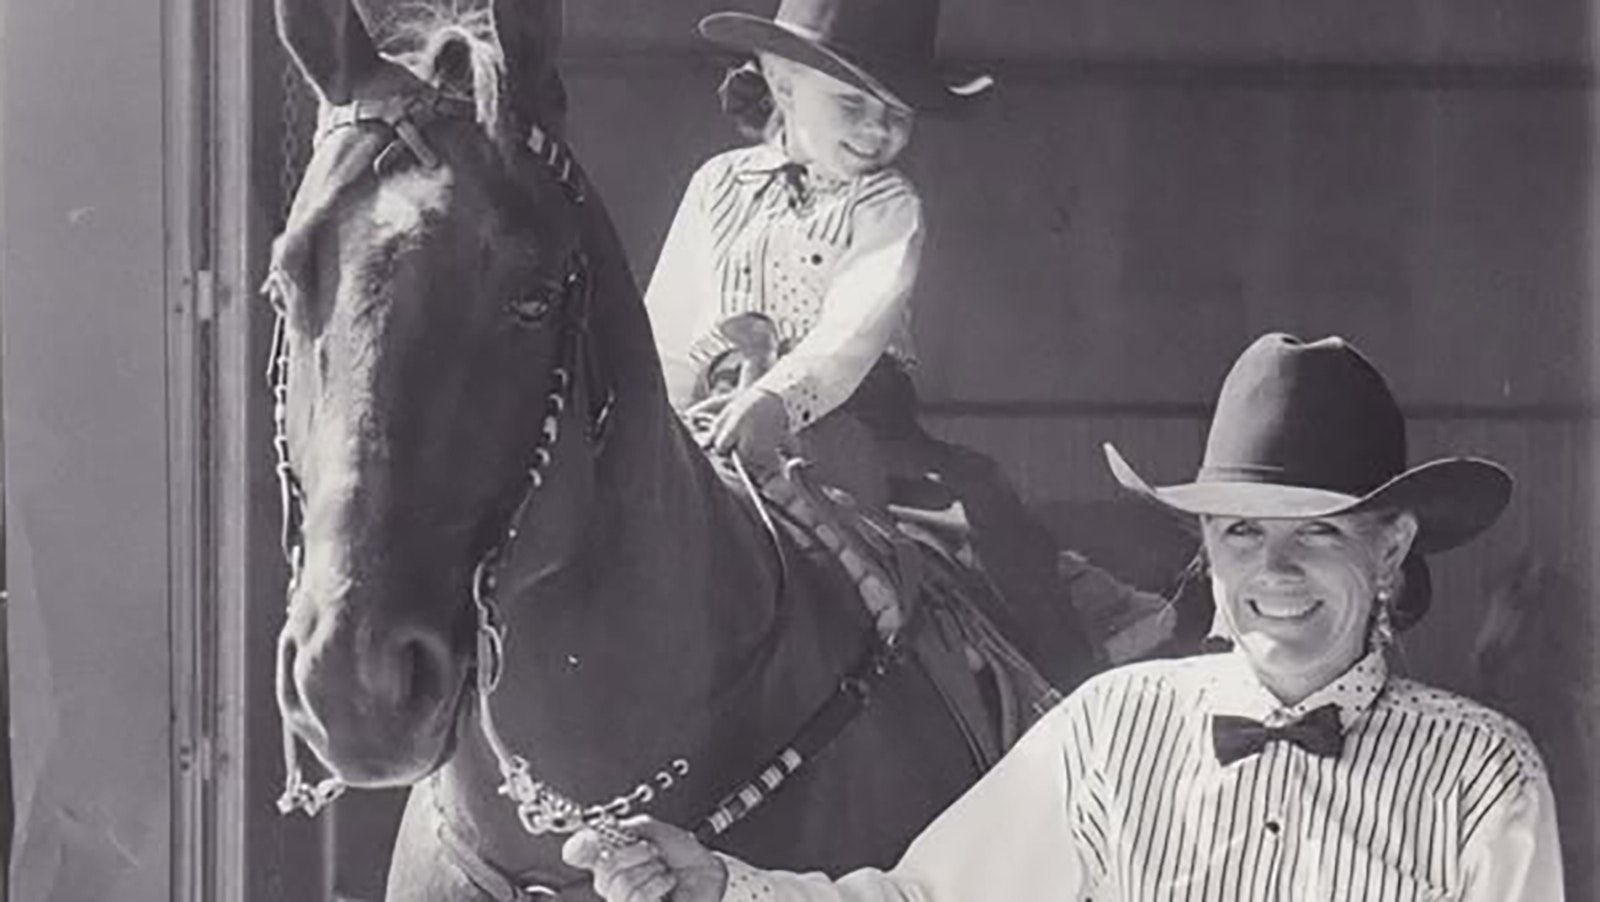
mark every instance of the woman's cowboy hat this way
{"type": "Point", "coordinates": [884, 47]}
{"type": "Point", "coordinates": [1311, 430]}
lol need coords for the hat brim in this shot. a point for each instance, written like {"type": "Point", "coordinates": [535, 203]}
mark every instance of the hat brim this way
{"type": "Point", "coordinates": [917, 87]}
{"type": "Point", "coordinates": [1453, 499]}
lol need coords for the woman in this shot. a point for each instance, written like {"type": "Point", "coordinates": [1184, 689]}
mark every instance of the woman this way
{"type": "Point", "coordinates": [1294, 766]}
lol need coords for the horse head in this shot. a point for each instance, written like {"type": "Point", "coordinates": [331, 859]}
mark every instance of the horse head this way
{"type": "Point", "coordinates": [434, 298]}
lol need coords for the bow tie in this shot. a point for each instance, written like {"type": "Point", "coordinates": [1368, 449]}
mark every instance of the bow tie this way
{"type": "Point", "coordinates": [791, 177]}
{"type": "Point", "coordinates": [795, 184]}
{"type": "Point", "coordinates": [1320, 732]}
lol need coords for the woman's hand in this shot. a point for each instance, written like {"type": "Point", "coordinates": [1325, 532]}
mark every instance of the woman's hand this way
{"type": "Point", "coordinates": [666, 863]}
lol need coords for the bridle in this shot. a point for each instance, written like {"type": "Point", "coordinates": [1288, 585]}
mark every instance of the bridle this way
{"type": "Point", "coordinates": [576, 377]}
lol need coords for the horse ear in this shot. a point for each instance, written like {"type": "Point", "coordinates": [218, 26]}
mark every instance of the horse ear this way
{"type": "Point", "coordinates": [330, 43]}
{"type": "Point", "coordinates": [529, 32]}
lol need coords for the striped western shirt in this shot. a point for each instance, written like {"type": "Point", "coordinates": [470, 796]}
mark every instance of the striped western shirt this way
{"type": "Point", "coordinates": [1117, 794]}
{"type": "Point", "coordinates": [831, 264]}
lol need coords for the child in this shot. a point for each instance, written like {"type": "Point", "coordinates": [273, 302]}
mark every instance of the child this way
{"type": "Point", "coordinates": [813, 227]}
{"type": "Point", "coordinates": [814, 232]}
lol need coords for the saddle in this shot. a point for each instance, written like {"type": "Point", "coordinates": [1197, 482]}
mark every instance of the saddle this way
{"type": "Point", "coordinates": [904, 542]}
{"type": "Point", "coordinates": [840, 450]}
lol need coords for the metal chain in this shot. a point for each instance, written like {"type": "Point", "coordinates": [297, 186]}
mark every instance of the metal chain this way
{"type": "Point", "coordinates": [541, 808]}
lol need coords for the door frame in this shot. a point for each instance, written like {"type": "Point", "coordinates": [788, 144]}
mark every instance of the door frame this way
{"type": "Point", "coordinates": [243, 849]}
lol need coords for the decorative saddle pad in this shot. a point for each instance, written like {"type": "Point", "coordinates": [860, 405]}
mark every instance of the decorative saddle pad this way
{"type": "Point", "coordinates": [924, 594]}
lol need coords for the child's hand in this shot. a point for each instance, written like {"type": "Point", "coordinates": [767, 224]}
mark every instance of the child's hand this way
{"type": "Point", "coordinates": [702, 415]}
{"type": "Point", "coordinates": [666, 863]}
{"type": "Point", "coordinates": [754, 422]}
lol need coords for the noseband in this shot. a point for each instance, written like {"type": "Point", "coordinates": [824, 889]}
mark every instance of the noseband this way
{"type": "Point", "coordinates": [575, 377]}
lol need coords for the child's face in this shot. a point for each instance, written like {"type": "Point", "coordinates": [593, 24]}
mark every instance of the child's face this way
{"type": "Point", "coordinates": [838, 128]}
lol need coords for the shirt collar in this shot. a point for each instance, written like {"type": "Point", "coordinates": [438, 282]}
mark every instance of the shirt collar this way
{"type": "Point", "coordinates": [1235, 689]}
{"type": "Point", "coordinates": [769, 156]}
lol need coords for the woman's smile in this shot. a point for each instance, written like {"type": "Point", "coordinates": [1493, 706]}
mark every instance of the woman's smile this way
{"type": "Point", "coordinates": [1284, 608]}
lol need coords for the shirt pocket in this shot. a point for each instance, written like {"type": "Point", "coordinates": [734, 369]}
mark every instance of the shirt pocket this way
{"type": "Point", "coordinates": [1369, 875]}
{"type": "Point", "coordinates": [1408, 853]}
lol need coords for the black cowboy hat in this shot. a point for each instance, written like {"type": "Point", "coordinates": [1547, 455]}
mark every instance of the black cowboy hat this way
{"type": "Point", "coordinates": [1312, 430]}
{"type": "Point", "coordinates": [884, 47]}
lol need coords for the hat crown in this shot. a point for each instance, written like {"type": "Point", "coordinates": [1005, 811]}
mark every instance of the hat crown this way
{"type": "Point", "coordinates": [887, 48]}
{"type": "Point", "coordinates": [889, 29]}
{"type": "Point", "coordinates": [1314, 415]}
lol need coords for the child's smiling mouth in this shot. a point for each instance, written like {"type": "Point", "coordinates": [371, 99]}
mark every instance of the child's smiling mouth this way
{"type": "Point", "coordinates": [1287, 609]}
{"type": "Point", "coordinates": [857, 152]}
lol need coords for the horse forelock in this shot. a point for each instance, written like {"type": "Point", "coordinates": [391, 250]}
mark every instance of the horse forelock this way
{"type": "Point", "coordinates": [433, 41]}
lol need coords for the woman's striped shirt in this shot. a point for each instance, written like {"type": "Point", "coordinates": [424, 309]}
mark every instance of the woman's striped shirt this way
{"type": "Point", "coordinates": [1117, 795]}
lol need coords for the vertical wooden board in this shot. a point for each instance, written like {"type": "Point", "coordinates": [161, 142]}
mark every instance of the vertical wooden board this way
{"type": "Point", "coordinates": [1501, 263]}
{"type": "Point", "coordinates": [1194, 183]}
{"type": "Point", "coordinates": [1498, 30]}
{"type": "Point", "coordinates": [1362, 30]}
{"type": "Point", "coordinates": [640, 134]}
{"type": "Point", "coordinates": [1349, 204]}
{"type": "Point", "coordinates": [1021, 203]}
{"type": "Point", "coordinates": [1373, 30]}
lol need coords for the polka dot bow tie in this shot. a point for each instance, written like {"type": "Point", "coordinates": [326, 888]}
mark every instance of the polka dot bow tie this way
{"type": "Point", "coordinates": [1320, 732]}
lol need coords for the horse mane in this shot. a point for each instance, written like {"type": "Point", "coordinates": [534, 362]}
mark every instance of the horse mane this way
{"type": "Point", "coordinates": [452, 46]}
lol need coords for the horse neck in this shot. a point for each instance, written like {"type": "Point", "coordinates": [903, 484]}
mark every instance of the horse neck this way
{"type": "Point", "coordinates": [616, 661]}
{"type": "Point", "coordinates": [659, 503]}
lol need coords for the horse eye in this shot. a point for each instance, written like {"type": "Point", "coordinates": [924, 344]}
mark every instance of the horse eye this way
{"type": "Point", "coordinates": [531, 309]}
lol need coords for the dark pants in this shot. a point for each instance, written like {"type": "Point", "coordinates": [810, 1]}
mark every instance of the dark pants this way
{"type": "Point", "coordinates": [886, 402]}
{"type": "Point", "coordinates": [1016, 551]}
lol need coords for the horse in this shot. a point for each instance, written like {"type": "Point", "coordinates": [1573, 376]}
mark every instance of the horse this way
{"type": "Point", "coordinates": [517, 584]}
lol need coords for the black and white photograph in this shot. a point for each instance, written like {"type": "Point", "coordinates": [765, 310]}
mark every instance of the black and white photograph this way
{"type": "Point", "coordinates": [799, 451]}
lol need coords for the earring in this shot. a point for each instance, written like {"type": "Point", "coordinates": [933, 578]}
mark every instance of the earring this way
{"type": "Point", "coordinates": [1382, 635]}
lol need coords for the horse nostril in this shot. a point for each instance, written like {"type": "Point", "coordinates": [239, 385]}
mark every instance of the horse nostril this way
{"type": "Point", "coordinates": [289, 700]}
{"type": "Point", "coordinates": [424, 664]}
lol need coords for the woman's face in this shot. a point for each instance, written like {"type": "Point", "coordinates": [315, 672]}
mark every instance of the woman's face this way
{"type": "Point", "coordinates": [837, 128]}
{"type": "Point", "coordinates": [1298, 594]}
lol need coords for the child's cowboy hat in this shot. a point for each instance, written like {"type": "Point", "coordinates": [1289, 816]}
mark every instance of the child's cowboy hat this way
{"type": "Point", "coordinates": [884, 47]}
{"type": "Point", "coordinates": [1311, 430]}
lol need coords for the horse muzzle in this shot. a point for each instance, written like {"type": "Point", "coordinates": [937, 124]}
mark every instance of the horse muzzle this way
{"type": "Point", "coordinates": [377, 708]}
